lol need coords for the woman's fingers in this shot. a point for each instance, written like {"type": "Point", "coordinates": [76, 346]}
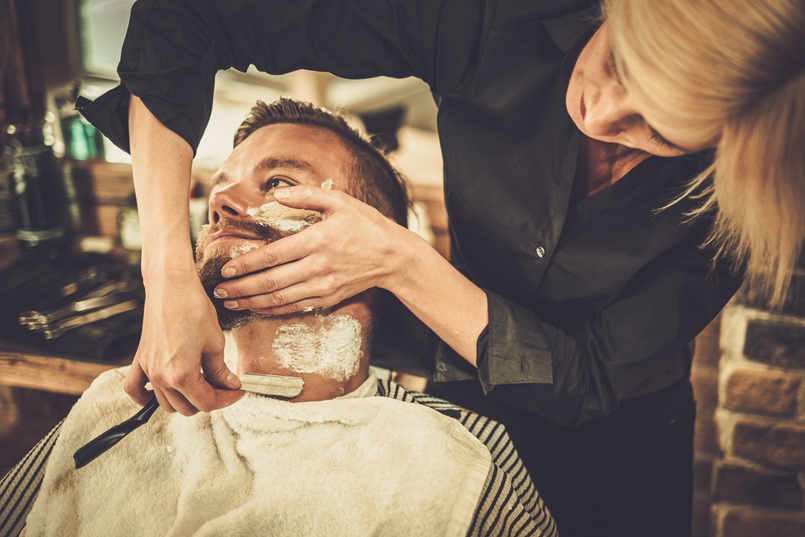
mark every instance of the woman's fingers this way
{"type": "Point", "coordinates": [135, 382]}
{"type": "Point", "coordinates": [352, 249]}
{"type": "Point", "coordinates": [198, 394]}
{"type": "Point", "coordinates": [313, 199]}
{"type": "Point", "coordinates": [292, 295]}
{"type": "Point", "coordinates": [216, 372]}
{"type": "Point", "coordinates": [277, 253]}
{"type": "Point", "coordinates": [172, 400]}
{"type": "Point", "coordinates": [162, 399]}
{"type": "Point", "coordinates": [261, 282]}
{"type": "Point", "coordinates": [296, 246]}
{"type": "Point", "coordinates": [172, 355]}
{"type": "Point", "coordinates": [134, 386]}
{"type": "Point", "coordinates": [180, 403]}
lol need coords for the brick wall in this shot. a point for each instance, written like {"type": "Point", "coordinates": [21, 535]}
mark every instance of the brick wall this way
{"type": "Point", "coordinates": [759, 475]}
{"type": "Point", "coordinates": [704, 376]}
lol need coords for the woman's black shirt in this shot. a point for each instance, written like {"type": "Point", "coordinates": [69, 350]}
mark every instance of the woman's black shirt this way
{"type": "Point", "coordinates": [588, 303]}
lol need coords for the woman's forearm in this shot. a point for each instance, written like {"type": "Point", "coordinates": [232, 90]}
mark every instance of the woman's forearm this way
{"type": "Point", "coordinates": [440, 296]}
{"type": "Point", "coordinates": [180, 335]}
{"type": "Point", "coordinates": [161, 163]}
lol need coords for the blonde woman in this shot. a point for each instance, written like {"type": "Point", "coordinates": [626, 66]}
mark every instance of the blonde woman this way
{"type": "Point", "coordinates": [610, 174]}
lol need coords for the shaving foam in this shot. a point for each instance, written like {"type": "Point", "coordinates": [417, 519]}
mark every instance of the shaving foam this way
{"type": "Point", "coordinates": [278, 216]}
{"type": "Point", "coordinates": [241, 249]}
{"type": "Point", "coordinates": [327, 345]}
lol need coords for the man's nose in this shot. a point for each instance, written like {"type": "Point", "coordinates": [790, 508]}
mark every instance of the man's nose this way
{"type": "Point", "coordinates": [231, 201]}
{"type": "Point", "coordinates": [612, 113]}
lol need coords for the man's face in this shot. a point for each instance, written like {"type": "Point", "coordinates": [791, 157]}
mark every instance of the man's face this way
{"type": "Point", "coordinates": [243, 214]}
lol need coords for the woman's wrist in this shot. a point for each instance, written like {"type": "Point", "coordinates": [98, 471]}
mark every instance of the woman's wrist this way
{"type": "Point", "coordinates": [409, 254]}
{"type": "Point", "coordinates": [166, 262]}
{"type": "Point", "coordinates": [439, 295]}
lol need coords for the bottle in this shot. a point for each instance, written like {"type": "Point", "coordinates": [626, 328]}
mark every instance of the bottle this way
{"type": "Point", "coordinates": [82, 141]}
{"type": "Point", "coordinates": [38, 187]}
{"type": "Point", "coordinates": [36, 179]}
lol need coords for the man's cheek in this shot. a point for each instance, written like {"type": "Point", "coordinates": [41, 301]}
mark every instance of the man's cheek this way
{"type": "Point", "coordinates": [201, 242]}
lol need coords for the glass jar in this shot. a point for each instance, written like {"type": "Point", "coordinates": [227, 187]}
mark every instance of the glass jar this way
{"type": "Point", "coordinates": [37, 185]}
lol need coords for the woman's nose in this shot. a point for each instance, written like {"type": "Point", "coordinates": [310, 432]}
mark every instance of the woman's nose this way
{"type": "Point", "coordinates": [230, 201]}
{"type": "Point", "coordinates": [611, 113]}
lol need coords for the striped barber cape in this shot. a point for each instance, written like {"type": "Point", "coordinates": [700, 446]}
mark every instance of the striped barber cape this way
{"type": "Point", "coordinates": [508, 505]}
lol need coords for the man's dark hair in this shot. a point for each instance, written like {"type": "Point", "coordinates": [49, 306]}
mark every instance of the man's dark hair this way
{"type": "Point", "coordinates": [375, 181]}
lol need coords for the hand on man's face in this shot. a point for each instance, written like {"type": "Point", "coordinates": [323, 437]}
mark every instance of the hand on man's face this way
{"type": "Point", "coordinates": [218, 243]}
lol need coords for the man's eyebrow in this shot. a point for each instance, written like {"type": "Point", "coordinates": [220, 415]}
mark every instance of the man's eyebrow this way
{"type": "Point", "coordinates": [269, 163]}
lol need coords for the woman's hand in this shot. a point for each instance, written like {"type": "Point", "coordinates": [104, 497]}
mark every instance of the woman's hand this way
{"type": "Point", "coordinates": [180, 339]}
{"type": "Point", "coordinates": [352, 249]}
{"type": "Point", "coordinates": [180, 334]}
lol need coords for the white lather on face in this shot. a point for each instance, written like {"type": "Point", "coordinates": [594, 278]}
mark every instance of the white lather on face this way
{"type": "Point", "coordinates": [326, 345]}
{"type": "Point", "coordinates": [282, 218]}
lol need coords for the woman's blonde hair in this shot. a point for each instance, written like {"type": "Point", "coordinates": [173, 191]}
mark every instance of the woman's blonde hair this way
{"type": "Point", "coordinates": [729, 74]}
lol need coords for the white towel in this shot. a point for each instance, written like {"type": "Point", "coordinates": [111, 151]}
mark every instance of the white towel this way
{"type": "Point", "coordinates": [351, 467]}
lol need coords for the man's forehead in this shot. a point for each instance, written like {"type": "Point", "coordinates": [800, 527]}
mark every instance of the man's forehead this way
{"type": "Point", "coordinates": [303, 148]}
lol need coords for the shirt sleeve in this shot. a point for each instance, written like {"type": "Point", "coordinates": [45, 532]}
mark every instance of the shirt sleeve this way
{"type": "Point", "coordinates": [573, 376]}
{"type": "Point", "coordinates": [173, 49]}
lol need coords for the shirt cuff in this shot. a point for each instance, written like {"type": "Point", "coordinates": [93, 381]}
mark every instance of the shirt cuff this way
{"type": "Point", "coordinates": [181, 99]}
{"type": "Point", "coordinates": [514, 348]}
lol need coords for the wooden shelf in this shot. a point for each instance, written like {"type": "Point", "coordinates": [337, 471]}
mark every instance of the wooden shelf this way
{"type": "Point", "coordinates": [26, 368]}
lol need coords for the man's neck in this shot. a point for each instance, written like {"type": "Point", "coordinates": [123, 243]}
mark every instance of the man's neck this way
{"type": "Point", "coordinates": [327, 350]}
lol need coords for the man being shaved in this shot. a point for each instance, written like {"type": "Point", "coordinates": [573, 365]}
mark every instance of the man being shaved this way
{"type": "Point", "coordinates": [345, 455]}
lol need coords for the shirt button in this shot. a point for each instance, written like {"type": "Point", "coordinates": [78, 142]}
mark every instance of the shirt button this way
{"type": "Point", "coordinates": [540, 251]}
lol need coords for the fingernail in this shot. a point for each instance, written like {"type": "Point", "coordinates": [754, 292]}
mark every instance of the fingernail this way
{"type": "Point", "coordinates": [231, 304]}
{"type": "Point", "coordinates": [220, 293]}
{"type": "Point", "coordinates": [233, 380]}
{"type": "Point", "coordinates": [282, 193]}
{"type": "Point", "coordinates": [228, 272]}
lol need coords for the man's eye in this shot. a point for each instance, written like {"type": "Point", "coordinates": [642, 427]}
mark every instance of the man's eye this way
{"type": "Point", "coordinates": [276, 182]}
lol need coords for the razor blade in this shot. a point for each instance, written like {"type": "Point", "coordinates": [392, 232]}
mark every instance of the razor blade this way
{"type": "Point", "coordinates": [272, 385]}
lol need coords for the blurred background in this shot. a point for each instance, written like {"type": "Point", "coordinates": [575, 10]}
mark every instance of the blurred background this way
{"type": "Point", "coordinates": [71, 295]}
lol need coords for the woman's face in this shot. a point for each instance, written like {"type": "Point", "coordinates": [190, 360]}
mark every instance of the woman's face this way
{"type": "Point", "coordinates": [602, 109]}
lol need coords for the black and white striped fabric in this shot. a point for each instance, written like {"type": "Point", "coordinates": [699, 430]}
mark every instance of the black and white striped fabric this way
{"type": "Point", "coordinates": [18, 489]}
{"type": "Point", "coordinates": [509, 506]}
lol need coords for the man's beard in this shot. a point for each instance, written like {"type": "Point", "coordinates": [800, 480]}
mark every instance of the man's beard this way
{"type": "Point", "coordinates": [209, 268]}
{"type": "Point", "coordinates": [210, 274]}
